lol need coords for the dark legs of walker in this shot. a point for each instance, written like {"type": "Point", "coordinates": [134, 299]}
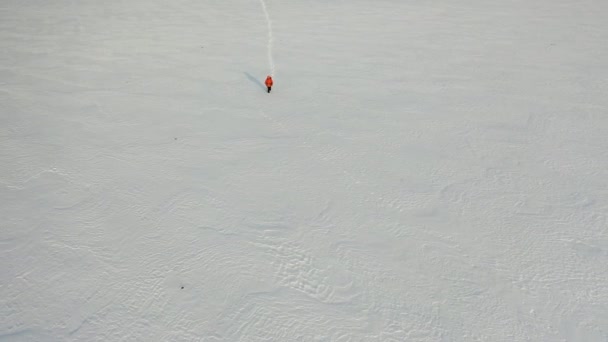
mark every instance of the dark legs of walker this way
{"type": "Point", "coordinates": [269, 89]}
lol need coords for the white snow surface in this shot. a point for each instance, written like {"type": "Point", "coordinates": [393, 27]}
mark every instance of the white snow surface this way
{"type": "Point", "coordinates": [421, 171]}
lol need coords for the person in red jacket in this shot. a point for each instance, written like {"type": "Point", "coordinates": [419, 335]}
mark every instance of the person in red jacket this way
{"type": "Point", "coordinates": [269, 82]}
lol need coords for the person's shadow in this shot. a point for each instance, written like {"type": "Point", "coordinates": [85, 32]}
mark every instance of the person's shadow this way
{"type": "Point", "coordinates": [255, 80]}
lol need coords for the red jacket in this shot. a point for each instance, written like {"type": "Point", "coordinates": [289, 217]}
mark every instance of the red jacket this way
{"type": "Point", "coordinates": [269, 81]}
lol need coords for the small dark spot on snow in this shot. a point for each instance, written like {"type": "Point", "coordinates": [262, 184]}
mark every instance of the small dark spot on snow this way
{"type": "Point", "coordinates": [182, 287]}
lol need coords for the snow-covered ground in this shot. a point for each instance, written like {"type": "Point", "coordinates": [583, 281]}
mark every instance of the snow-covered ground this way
{"type": "Point", "coordinates": [421, 171]}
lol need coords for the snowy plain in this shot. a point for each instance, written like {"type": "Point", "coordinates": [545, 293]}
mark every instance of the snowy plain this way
{"type": "Point", "coordinates": [421, 171]}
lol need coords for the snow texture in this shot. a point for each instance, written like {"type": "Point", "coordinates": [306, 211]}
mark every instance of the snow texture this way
{"type": "Point", "coordinates": [269, 23]}
{"type": "Point", "coordinates": [422, 171]}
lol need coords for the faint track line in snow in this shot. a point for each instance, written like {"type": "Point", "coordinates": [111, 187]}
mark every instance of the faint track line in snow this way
{"type": "Point", "coordinates": [328, 155]}
{"type": "Point", "coordinates": [270, 37]}
{"type": "Point", "coordinates": [278, 125]}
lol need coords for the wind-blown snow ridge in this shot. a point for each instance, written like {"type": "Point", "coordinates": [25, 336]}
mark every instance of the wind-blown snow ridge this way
{"type": "Point", "coordinates": [270, 38]}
